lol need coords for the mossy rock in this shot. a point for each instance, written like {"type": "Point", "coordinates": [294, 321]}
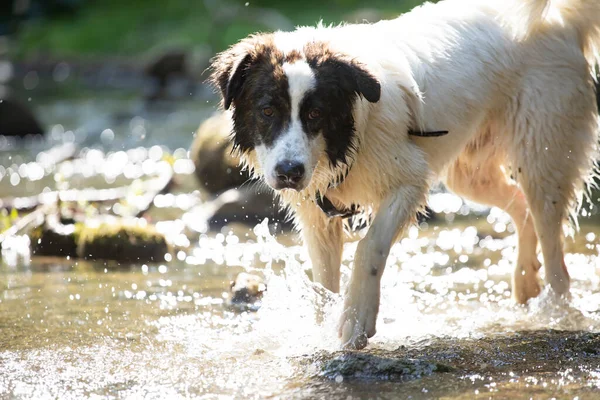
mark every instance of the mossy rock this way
{"type": "Point", "coordinates": [122, 243]}
{"type": "Point", "coordinates": [55, 241]}
{"type": "Point", "coordinates": [106, 241]}
{"type": "Point", "coordinates": [217, 168]}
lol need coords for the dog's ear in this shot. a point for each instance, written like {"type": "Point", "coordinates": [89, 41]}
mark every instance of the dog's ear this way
{"type": "Point", "coordinates": [362, 81]}
{"type": "Point", "coordinates": [350, 74]}
{"type": "Point", "coordinates": [229, 71]}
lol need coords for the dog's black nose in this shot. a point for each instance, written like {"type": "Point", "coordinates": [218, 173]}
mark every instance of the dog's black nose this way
{"type": "Point", "coordinates": [289, 174]}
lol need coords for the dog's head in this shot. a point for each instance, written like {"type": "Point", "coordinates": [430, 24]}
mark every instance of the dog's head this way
{"type": "Point", "coordinates": [292, 108]}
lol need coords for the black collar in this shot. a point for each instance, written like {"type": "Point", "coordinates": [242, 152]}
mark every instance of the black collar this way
{"type": "Point", "coordinates": [332, 211]}
{"type": "Point", "coordinates": [327, 206]}
{"type": "Point", "coordinates": [427, 134]}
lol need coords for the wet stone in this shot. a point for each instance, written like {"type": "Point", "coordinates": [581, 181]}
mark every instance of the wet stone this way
{"type": "Point", "coordinates": [514, 352]}
{"type": "Point", "coordinates": [246, 292]}
{"type": "Point", "coordinates": [217, 167]}
{"type": "Point", "coordinates": [218, 170]}
{"type": "Point", "coordinates": [548, 352]}
{"type": "Point", "coordinates": [106, 241]}
{"type": "Point", "coordinates": [18, 118]}
{"type": "Point", "coordinates": [122, 243]}
{"type": "Point", "coordinates": [58, 241]}
{"type": "Point", "coordinates": [374, 365]}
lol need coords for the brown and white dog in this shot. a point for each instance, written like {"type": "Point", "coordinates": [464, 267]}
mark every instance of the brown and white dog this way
{"type": "Point", "coordinates": [333, 119]}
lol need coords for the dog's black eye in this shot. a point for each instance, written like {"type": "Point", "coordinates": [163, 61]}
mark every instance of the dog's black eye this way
{"type": "Point", "coordinates": [268, 111]}
{"type": "Point", "coordinates": [315, 113]}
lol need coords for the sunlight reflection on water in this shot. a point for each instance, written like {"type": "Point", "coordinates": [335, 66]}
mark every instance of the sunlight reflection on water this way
{"type": "Point", "coordinates": [75, 329]}
{"type": "Point", "coordinates": [214, 351]}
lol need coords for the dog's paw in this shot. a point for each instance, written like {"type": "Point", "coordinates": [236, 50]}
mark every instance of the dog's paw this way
{"type": "Point", "coordinates": [526, 284]}
{"type": "Point", "coordinates": [357, 323]}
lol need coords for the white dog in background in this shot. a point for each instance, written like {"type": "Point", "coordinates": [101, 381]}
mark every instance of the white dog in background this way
{"type": "Point", "coordinates": [336, 120]}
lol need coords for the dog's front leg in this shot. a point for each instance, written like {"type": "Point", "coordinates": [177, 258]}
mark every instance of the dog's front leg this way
{"type": "Point", "coordinates": [324, 238]}
{"type": "Point", "coordinates": [361, 304]}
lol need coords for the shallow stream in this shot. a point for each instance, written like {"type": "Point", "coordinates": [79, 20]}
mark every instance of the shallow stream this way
{"type": "Point", "coordinates": [78, 329]}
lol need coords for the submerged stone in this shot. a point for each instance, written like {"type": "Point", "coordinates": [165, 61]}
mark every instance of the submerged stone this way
{"type": "Point", "coordinates": [246, 292]}
{"type": "Point", "coordinates": [375, 365]}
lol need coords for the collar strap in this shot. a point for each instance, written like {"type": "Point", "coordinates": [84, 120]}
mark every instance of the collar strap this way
{"type": "Point", "coordinates": [427, 134]}
{"type": "Point", "coordinates": [332, 211]}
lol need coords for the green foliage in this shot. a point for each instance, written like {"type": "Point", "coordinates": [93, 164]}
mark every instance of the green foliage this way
{"type": "Point", "coordinates": [112, 27]}
{"type": "Point", "coordinates": [117, 27]}
{"type": "Point", "coordinates": [7, 219]}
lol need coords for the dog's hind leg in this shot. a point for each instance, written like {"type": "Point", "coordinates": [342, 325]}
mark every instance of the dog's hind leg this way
{"type": "Point", "coordinates": [486, 183]}
{"type": "Point", "coordinates": [549, 202]}
{"type": "Point", "coordinates": [553, 141]}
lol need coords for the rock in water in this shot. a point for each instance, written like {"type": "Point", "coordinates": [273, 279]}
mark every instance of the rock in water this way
{"type": "Point", "coordinates": [16, 119]}
{"type": "Point", "coordinates": [363, 365]}
{"type": "Point", "coordinates": [166, 68]}
{"type": "Point", "coordinates": [217, 169]}
{"type": "Point", "coordinates": [246, 292]}
{"type": "Point", "coordinates": [107, 241]}
{"type": "Point", "coordinates": [169, 64]}
{"type": "Point", "coordinates": [122, 243]}
{"type": "Point", "coordinates": [57, 240]}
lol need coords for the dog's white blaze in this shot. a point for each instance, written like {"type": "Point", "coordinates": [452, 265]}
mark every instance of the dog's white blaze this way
{"type": "Point", "coordinates": [293, 145]}
{"type": "Point", "coordinates": [301, 79]}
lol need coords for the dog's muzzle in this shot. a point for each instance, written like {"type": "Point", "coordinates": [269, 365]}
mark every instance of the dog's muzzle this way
{"type": "Point", "coordinates": [289, 174]}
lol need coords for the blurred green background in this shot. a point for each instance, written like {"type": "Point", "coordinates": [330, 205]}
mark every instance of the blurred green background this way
{"type": "Point", "coordinates": [70, 28]}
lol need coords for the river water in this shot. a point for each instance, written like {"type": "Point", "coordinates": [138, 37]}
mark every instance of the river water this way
{"type": "Point", "coordinates": [78, 329]}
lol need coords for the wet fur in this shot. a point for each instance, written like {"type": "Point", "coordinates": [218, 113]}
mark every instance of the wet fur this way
{"type": "Point", "coordinates": [511, 81]}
